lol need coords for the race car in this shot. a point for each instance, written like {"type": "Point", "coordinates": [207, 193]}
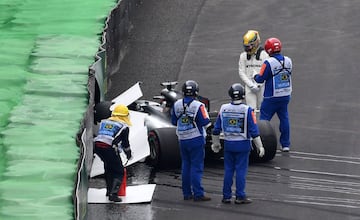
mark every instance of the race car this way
{"type": "Point", "coordinates": [161, 134]}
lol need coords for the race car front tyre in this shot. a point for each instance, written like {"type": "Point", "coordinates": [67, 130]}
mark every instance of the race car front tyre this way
{"type": "Point", "coordinates": [102, 111]}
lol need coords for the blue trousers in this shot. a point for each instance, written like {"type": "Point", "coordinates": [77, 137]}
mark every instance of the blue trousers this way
{"type": "Point", "coordinates": [192, 168]}
{"type": "Point", "coordinates": [279, 105]}
{"type": "Point", "coordinates": [235, 162]}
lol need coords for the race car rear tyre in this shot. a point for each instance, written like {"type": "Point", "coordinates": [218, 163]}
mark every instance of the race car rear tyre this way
{"type": "Point", "coordinates": [164, 148]}
{"type": "Point", "coordinates": [269, 141]}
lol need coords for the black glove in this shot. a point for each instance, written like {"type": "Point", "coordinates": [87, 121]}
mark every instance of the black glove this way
{"type": "Point", "coordinates": [127, 151]}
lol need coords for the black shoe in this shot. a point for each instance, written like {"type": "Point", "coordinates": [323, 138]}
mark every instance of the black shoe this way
{"type": "Point", "coordinates": [114, 198]}
{"type": "Point", "coordinates": [191, 197]}
{"type": "Point", "coordinates": [245, 200]}
{"type": "Point", "coordinates": [226, 201]}
{"type": "Point", "coordinates": [202, 199]}
{"type": "Point", "coordinates": [114, 190]}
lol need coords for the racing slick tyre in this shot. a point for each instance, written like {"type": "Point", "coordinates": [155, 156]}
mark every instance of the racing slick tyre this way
{"type": "Point", "coordinates": [269, 141]}
{"type": "Point", "coordinates": [164, 148]}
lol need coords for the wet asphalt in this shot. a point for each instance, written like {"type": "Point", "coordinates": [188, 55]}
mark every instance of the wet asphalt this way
{"type": "Point", "coordinates": [201, 40]}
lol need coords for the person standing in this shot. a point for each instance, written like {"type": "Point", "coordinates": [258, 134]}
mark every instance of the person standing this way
{"type": "Point", "coordinates": [250, 62]}
{"type": "Point", "coordinates": [113, 136]}
{"type": "Point", "coordinates": [276, 73]}
{"type": "Point", "coordinates": [237, 121]}
{"type": "Point", "coordinates": [191, 119]}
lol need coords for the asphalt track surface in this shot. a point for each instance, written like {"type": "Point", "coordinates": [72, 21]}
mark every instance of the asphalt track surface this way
{"type": "Point", "coordinates": [201, 40]}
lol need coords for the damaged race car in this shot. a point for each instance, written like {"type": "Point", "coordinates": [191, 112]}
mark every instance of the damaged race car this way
{"type": "Point", "coordinates": [161, 134]}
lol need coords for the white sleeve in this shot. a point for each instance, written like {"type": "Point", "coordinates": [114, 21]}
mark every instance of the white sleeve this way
{"type": "Point", "coordinates": [242, 72]}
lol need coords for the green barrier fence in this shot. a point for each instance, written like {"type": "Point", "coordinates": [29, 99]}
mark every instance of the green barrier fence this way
{"type": "Point", "coordinates": [46, 49]}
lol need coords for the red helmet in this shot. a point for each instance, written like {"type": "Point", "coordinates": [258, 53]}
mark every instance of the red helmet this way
{"type": "Point", "coordinates": [272, 45]}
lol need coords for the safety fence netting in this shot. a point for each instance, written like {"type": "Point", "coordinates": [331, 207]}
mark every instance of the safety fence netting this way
{"type": "Point", "coordinates": [46, 49]}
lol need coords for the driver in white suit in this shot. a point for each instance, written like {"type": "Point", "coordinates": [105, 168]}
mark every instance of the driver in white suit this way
{"type": "Point", "coordinates": [250, 62]}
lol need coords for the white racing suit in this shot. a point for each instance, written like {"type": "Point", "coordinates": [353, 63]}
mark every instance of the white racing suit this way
{"type": "Point", "coordinates": [249, 65]}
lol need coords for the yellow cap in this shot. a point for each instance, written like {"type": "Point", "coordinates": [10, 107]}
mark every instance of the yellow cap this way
{"type": "Point", "coordinates": [120, 110]}
{"type": "Point", "coordinates": [121, 114]}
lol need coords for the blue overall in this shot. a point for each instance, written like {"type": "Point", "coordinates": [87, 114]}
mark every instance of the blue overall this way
{"type": "Point", "coordinates": [238, 123]}
{"type": "Point", "coordinates": [111, 133]}
{"type": "Point", "coordinates": [191, 148]}
{"type": "Point", "coordinates": [276, 72]}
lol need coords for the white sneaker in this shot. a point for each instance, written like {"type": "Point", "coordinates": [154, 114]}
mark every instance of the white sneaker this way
{"type": "Point", "coordinates": [285, 149]}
